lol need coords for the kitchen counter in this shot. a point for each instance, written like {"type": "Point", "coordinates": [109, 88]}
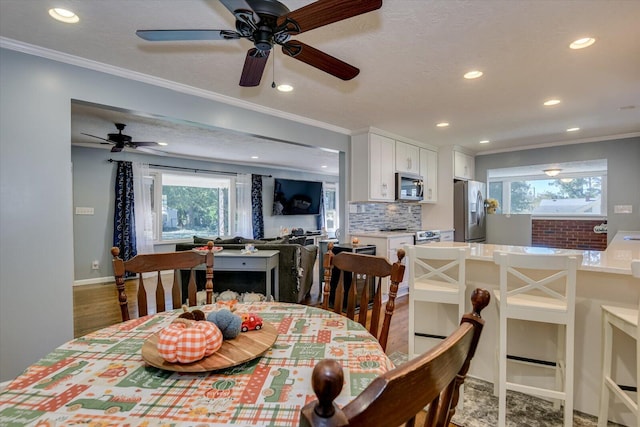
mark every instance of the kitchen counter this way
{"type": "Point", "coordinates": [615, 259]}
{"type": "Point", "coordinates": [603, 278]}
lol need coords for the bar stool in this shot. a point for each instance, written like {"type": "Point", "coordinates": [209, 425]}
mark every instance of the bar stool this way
{"type": "Point", "coordinates": [436, 275]}
{"type": "Point", "coordinates": [626, 320]}
{"type": "Point", "coordinates": [538, 288]}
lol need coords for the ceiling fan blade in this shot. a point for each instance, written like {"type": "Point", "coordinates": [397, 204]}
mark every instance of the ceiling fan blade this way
{"type": "Point", "coordinates": [320, 60]}
{"type": "Point", "coordinates": [253, 68]}
{"type": "Point", "coordinates": [143, 143]}
{"type": "Point", "coordinates": [185, 35]}
{"type": "Point", "coordinates": [151, 151]}
{"type": "Point", "coordinates": [242, 8]}
{"type": "Point", "coordinates": [323, 12]}
{"type": "Point", "coordinates": [99, 137]}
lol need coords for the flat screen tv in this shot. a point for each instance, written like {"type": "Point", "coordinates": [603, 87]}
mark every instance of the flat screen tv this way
{"type": "Point", "coordinates": [295, 197]}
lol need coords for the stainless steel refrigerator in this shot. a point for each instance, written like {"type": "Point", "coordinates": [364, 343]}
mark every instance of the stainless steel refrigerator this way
{"type": "Point", "coordinates": [469, 212]}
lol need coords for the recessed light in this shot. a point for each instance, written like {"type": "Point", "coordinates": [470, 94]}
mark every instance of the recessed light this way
{"type": "Point", "coordinates": [474, 74]}
{"type": "Point", "coordinates": [573, 129]}
{"type": "Point", "coordinates": [255, 157]}
{"type": "Point", "coordinates": [163, 143]}
{"type": "Point", "coordinates": [285, 88]}
{"type": "Point", "coordinates": [323, 166]}
{"type": "Point", "coordinates": [484, 141]}
{"type": "Point", "coordinates": [442, 124]}
{"type": "Point", "coordinates": [582, 43]}
{"type": "Point", "coordinates": [551, 102]}
{"type": "Point", "coordinates": [64, 15]}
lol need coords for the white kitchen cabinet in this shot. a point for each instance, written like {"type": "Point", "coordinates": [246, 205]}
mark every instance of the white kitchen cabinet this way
{"type": "Point", "coordinates": [463, 166]}
{"type": "Point", "coordinates": [372, 168]}
{"type": "Point", "coordinates": [407, 158]}
{"type": "Point", "coordinates": [429, 172]}
{"type": "Point", "coordinates": [388, 246]}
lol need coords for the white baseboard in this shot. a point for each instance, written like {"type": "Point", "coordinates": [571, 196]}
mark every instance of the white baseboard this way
{"type": "Point", "coordinates": [94, 281]}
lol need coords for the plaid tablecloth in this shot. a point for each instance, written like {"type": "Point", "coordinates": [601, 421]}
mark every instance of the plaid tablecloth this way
{"type": "Point", "coordinates": [101, 379]}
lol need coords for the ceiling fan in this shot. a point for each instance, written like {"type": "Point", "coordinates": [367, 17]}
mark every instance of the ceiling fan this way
{"type": "Point", "coordinates": [120, 140]}
{"type": "Point", "coordinates": [269, 22]}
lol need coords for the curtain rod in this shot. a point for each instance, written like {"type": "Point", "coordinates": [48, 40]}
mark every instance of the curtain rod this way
{"type": "Point", "coordinates": [195, 170]}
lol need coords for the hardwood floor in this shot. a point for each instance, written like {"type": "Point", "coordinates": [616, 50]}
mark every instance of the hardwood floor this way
{"type": "Point", "coordinates": [96, 306]}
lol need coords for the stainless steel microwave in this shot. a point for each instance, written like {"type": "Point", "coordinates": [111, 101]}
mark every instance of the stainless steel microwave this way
{"type": "Point", "coordinates": [409, 187]}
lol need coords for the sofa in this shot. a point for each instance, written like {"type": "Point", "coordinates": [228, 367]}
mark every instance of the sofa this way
{"type": "Point", "coordinates": [295, 272]}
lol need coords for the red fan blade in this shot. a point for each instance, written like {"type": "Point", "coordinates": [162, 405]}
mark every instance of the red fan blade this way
{"type": "Point", "coordinates": [323, 12]}
{"type": "Point", "coordinates": [242, 7]}
{"type": "Point", "coordinates": [320, 60]}
{"type": "Point", "coordinates": [253, 68]}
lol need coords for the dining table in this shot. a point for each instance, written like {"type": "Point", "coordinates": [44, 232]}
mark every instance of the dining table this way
{"type": "Point", "coordinates": [102, 379]}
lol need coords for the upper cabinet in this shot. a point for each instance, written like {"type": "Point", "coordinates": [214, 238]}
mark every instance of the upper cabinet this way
{"type": "Point", "coordinates": [463, 166]}
{"type": "Point", "coordinates": [377, 155]}
{"type": "Point", "coordinates": [429, 172]}
{"type": "Point", "coordinates": [407, 158]}
{"type": "Point", "coordinates": [372, 168]}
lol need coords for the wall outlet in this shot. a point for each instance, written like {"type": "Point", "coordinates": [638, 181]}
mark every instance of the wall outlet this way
{"type": "Point", "coordinates": [623, 209]}
{"type": "Point", "coordinates": [95, 265]}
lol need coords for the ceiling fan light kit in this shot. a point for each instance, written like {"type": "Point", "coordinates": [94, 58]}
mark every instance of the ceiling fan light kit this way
{"type": "Point", "coordinates": [269, 22]}
{"type": "Point", "coordinates": [552, 172]}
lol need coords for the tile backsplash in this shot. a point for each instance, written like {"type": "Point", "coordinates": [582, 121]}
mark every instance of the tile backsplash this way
{"type": "Point", "coordinates": [374, 216]}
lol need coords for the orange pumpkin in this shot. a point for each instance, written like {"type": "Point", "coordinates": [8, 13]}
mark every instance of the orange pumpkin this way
{"type": "Point", "coordinates": [188, 341]}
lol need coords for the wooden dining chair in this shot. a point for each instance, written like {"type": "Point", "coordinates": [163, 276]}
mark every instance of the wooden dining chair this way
{"type": "Point", "coordinates": [397, 396]}
{"type": "Point", "coordinates": [158, 263]}
{"type": "Point", "coordinates": [366, 273]}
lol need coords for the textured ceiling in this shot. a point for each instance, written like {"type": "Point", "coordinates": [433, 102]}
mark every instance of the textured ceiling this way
{"type": "Point", "coordinates": [411, 53]}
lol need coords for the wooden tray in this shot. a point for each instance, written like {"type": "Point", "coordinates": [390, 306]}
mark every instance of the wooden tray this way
{"type": "Point", "coordinates": [245, 347]}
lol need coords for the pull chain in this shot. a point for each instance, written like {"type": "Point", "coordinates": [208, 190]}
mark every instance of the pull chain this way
{"type": "Point", "coordinates": [273, 71]}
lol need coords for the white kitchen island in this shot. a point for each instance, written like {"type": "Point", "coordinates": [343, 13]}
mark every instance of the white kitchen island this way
{"type": "Point", "coordinates": [604, 278]}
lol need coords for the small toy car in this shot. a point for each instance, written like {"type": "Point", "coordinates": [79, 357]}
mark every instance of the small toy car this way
{"type": "Point", "coordinates": [250, 322]}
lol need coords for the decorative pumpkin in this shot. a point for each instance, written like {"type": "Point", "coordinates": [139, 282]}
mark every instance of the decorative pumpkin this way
{"type": "Point", "coordinates": [228, 323]}
{"type": "Point", "coordinates": [249, 297]}
{"type": "Point", "coordinates": [228, 295]}
{"type": "Point", "coordinates": [229, 305]}
{"type": "Point", "coordinates": [186, 341]}
{"type": "Point", "coordinates": [192, 315]}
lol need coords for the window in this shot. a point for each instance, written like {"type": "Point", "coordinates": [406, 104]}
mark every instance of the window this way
{"type": "Point", "coordinates": [191, 204]}
{"type": "Point", "coordinates": [331, 219]}
{"type": "Point", "coordinates": [578, 190]}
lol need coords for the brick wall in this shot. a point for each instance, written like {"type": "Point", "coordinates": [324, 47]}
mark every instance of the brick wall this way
{"type": "Point", "coordinates": [568, 234]}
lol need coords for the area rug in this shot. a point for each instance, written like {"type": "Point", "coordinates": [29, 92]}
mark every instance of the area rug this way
{"type": "Point", "coordinates": [480, 408]}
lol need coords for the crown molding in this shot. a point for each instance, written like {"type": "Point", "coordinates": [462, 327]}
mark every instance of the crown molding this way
{"type": "Point", "coordinates": [77, 61]}
{"type": "Point", "coordinates": [559, 143]}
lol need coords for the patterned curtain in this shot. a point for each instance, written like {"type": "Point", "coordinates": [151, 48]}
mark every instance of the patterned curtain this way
{"type": "Point", "coordinates": [256, 206]}
{"type": "Point", "coordinates": [320, 218]}
{"type": "Point", "coordinates": [124, 224]}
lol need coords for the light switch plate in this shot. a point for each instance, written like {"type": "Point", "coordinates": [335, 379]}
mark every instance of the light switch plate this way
{"type": "Point", "coordinates": [84, 211]}
{"type": "Point", "coordinates": [623, 209]}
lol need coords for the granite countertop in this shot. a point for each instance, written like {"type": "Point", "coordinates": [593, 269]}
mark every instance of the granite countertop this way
{"type": "Point", "coordinates": [615, 259]}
